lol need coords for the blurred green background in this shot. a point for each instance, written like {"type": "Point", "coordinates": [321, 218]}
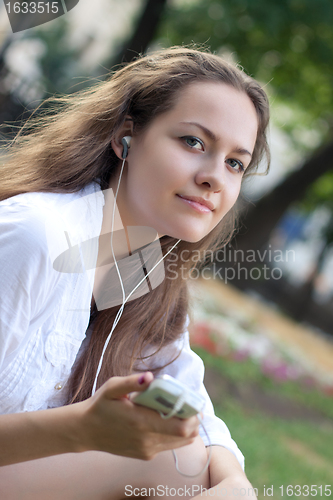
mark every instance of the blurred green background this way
{"type": "Point", "coordinates": [288, 46]}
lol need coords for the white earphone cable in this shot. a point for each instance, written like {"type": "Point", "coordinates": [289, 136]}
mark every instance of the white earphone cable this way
{"type": "Point", "coordinates": [121, 283]}
{"type": "Point", "coordinates": [178, 406]}
{"type": "Point", "coordinates": [121, 309]}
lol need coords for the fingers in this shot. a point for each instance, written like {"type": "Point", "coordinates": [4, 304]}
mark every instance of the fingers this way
{"type": "Point", "coordinates": [119, 387]}
{"type": "Point", "coordinates": [119, 426]}
{"type": "Point", "coordinates": [174, 435]}
{"type": "Point", "coordinates": [150, 420]}
{"type": "Point", "coordinates": [184, 428]}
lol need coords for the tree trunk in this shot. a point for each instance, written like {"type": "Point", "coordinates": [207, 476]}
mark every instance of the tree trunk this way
{"type": "Point", "coordinates": [262, 218]}
{"type": "Point", "coordinates": [305, 292]}
{"type": "Point", "coordinates": [143, 34]}
{"type": "Point", "coordinates": [11, 109]}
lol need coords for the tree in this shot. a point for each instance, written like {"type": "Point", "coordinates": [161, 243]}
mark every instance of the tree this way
{"type": "Point", "coordinates": [318, 195]}
{"type": "Point", "coordinates": [144, 32]}
{"type": "Point", "coordinates": [59, 61]}
{"type": "Point", "coordinates": [288, 43]}
{"type": "Point", "coordinates": [261, 218]}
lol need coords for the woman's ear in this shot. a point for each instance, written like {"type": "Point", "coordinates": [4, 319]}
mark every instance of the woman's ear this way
{"type": "Point", "coordinates": [126, 130]}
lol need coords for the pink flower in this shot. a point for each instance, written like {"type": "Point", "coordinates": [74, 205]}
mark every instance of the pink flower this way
{"type": "Point", "coordinates": [240, 355]}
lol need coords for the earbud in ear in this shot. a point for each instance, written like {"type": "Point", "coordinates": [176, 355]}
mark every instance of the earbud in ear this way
{"type": "Point", "coordinates": [126, 141]}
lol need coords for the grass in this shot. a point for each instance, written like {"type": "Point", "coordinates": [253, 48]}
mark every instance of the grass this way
{"type": "Point", "coordinates": [278, 452]}
{"type": "Point", "coordinates": [248, 371]}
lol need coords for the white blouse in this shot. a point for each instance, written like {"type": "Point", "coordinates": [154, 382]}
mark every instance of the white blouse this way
{"type": "Point", "coordinates": [44, 313]}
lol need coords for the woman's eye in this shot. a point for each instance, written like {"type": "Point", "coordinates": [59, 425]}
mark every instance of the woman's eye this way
{"type": "Point", "coordinates": [193, 142]}
{"type": "Point", "coordinates": [236, 165]}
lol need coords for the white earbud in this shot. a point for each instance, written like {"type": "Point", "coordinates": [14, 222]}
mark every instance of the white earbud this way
{"type": "Point", "coordinates": [126, 141]}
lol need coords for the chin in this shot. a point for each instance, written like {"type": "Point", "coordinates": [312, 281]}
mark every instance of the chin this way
{"type": "Point", "coordinates": [190, 233]}
{"type": "Point", "coordinates": [190, 237]}
{"type": "Point", "coordinates": [194, 240]}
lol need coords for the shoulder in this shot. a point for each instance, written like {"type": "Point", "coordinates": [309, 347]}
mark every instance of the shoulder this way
{"type": "Point", "coordinates": [22, 227]}
{"type": "Point", "coordinates": [32, 236]}
{"type": "Point", "coordinates": [33, 204]}
{"type": "Point", "coordinates": [33, 219]}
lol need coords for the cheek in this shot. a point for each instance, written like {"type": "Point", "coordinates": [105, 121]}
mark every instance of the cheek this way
{"type": "Point", "coordinates": [235, 192]}
{"type": "Point", "coordinates": [148, 184]}
{"type": "Point", "coordinates": [164, 172]}
{"type": "Point", "coordinates": [229, 198]}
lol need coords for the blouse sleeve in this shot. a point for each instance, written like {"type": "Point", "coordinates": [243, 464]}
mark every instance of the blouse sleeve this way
{"type": "Point", "coordinates": [27, 277]}
{"type": "Point", "coordinates": [188, 368]}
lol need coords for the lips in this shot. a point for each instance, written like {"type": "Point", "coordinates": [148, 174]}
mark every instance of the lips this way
{"type": "Point", "coordinates": [201, 201]}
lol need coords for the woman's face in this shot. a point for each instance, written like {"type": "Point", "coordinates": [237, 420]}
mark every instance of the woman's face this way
{"type": "Point", "coordinates": [184, 170]}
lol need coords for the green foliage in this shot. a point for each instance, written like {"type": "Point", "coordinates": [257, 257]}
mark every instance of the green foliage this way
{"type": "Point", "coordinates": [321, 192]}
{"type": "Point", "coordinates": [278, 452]}
{"type": "Point", "coordinates": [58, 64]}
{"type": "Point", "coordinates": [288, 43]}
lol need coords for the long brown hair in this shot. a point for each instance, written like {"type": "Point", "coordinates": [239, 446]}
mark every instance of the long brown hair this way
{"type": "Point", "coordinates": [67, 149]}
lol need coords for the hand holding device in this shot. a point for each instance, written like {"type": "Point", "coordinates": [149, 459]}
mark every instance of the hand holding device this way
{"type": "Point", "coordinates": [111, 422]}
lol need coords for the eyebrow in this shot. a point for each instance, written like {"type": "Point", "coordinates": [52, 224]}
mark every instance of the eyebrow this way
{"type": "Point", "coordinates": [214, 138]}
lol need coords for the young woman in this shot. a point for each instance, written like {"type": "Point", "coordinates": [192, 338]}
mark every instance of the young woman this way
{"type": "Point", "coordinates": [195, 126]}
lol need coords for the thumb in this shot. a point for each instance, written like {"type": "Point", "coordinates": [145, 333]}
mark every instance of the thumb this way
{"type": "Point", "coordinates": [119, 387]}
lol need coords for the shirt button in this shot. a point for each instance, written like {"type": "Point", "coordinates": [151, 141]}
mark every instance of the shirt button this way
{"type": "Point", "coordinates": [58, 386]}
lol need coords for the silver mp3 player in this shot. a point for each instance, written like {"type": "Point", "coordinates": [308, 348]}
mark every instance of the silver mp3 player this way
{"type": "Point", "coordinates": [163, 393]}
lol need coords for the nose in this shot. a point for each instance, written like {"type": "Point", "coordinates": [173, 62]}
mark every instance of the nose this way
{"type": "Point", "coordinates": [212, 175]}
